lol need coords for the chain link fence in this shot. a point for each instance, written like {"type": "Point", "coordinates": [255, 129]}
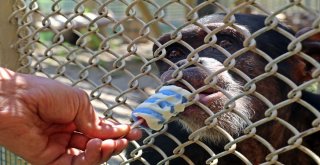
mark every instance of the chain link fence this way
{"type": "Point", "coordinates": [105, 48]}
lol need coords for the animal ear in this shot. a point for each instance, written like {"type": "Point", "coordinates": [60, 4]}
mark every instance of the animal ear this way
{"type": "Point", "coordinates": [311, 47]}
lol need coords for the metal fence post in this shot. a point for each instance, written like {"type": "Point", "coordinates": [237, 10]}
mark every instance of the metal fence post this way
{"type": "Point", "coordinates": [8, 55]}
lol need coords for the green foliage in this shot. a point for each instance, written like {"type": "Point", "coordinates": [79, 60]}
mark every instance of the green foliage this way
{"type": "Point", "coordinates": [46, 37]}
{"type": "Point", "coordinates": [313, 88]}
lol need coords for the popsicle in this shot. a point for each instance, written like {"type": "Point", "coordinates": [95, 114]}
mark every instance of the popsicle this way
{"type": "Point", "coordinates": [160, 107]}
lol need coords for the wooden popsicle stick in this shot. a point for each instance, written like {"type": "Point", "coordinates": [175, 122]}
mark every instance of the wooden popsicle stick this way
{"type": "Point", "coordinates": [137, 123]}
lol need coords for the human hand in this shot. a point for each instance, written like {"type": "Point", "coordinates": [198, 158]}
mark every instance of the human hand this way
{"type": "Point", "coordinates": [47, 122]}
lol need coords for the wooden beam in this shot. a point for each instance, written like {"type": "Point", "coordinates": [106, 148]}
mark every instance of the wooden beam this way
{"type": "Point", "coordinates": [9, 57]}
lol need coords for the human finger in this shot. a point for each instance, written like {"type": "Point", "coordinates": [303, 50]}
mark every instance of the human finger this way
{"type": "Point", "coordinates": [112, 147]}
{"type": "Point", "coordinates": [91, 155]}
{"type": "Point", "coordinates": [78, 141]}
{"type": "Point", "coordinates": [134, 134]}
{"type": "Point", "coordinates": [89, 123]}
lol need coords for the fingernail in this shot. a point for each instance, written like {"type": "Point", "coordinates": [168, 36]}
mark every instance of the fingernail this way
{"type": "Point", "coordinates": [134, 134]}
{"type": "Point", "coordinates": [109, 143]}
{"type": "Point", "coordinates": [122, 127]}
{"type": "Point", "coordinates": [96, 141]}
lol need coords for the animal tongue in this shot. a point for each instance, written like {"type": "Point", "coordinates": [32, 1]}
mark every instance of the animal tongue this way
{"type": "Point", "coordinates": [209, 98]}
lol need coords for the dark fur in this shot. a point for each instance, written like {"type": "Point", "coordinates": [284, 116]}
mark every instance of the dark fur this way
{"type": "Point", "coordinates": [274, 89]}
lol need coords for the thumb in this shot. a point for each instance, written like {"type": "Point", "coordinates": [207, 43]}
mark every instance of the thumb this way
{"type": "Point", "coordinates": [88, 122]}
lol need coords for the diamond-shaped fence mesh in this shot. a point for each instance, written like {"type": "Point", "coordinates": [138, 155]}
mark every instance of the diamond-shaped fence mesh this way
{"type": "Point", "coordinates": [105, 48]}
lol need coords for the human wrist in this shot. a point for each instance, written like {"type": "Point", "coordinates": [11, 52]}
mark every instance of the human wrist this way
{"type": "Point", "coordinates": [4, 115]}
{"type": "Point", "coordinates": [11, 82]}
{"type": "Point", "coordinates": [6, 74]}
{"type": "Point", "coordinates": [6, 84]}
{"type": "Point", "coordinates": [10, 86]}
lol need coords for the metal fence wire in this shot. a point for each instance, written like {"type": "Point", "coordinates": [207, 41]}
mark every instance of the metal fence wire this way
{"type": "Point", "coordinates": [105, 48]}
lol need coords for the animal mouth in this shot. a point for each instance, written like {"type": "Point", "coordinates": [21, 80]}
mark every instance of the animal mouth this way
{"type": "Point", "coordinates": [211, 98]}
{"type": "Point", "coordinates": [207, 98]}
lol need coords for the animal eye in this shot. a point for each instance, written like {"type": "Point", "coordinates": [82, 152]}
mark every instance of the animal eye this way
{"type": "Point", "coordinates": [225, 43]}
{"type": "Point", "coordinates": [175, 53]}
